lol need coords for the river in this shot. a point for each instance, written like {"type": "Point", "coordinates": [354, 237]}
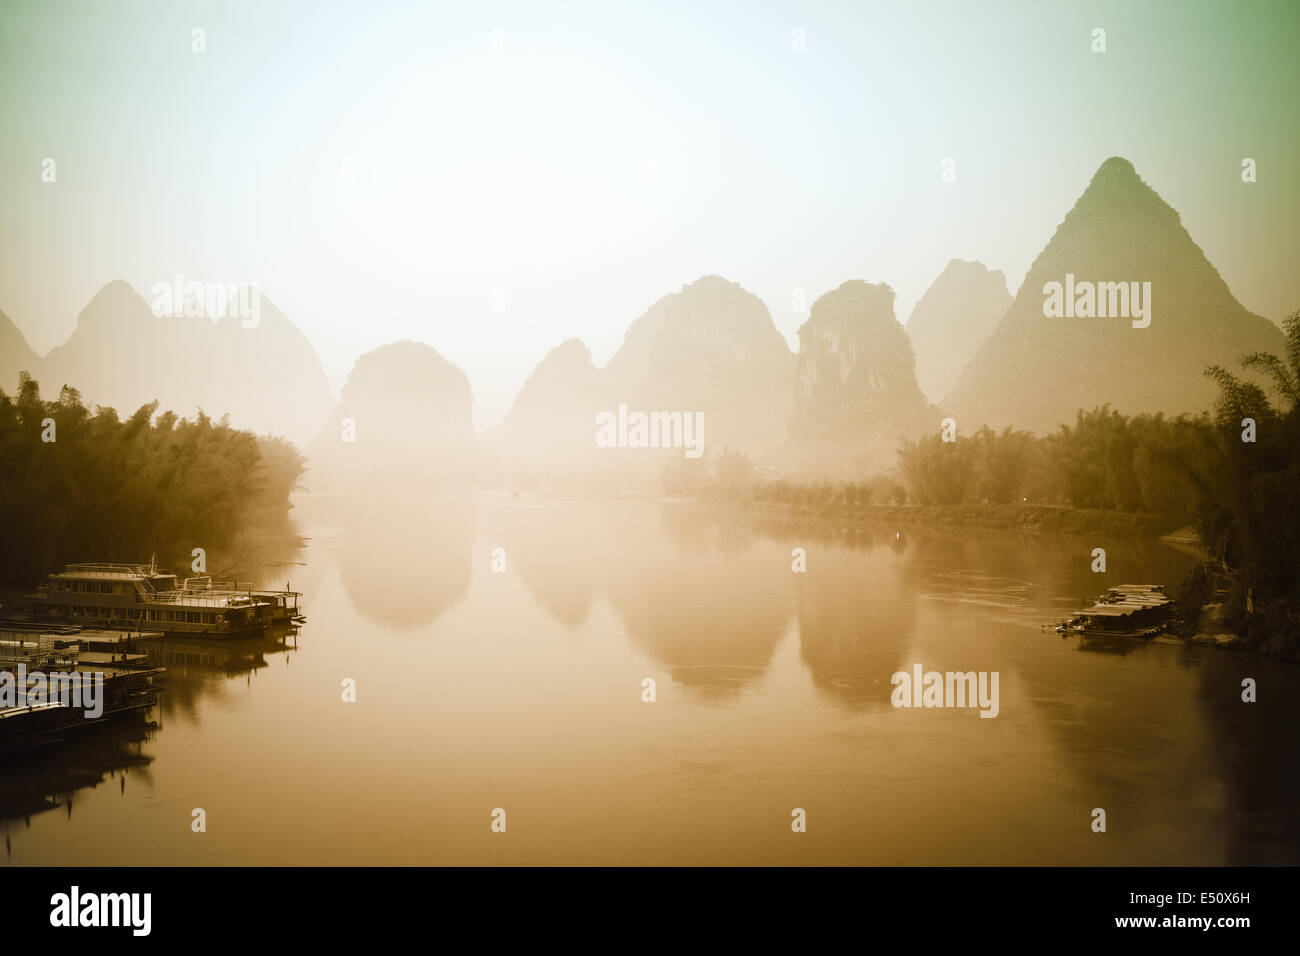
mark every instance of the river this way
{"type": "Point", "coordinates": [498, 648]}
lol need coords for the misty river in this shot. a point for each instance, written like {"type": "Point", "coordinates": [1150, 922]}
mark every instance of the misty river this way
{"type": "Point", "coordinates": [499, 647]}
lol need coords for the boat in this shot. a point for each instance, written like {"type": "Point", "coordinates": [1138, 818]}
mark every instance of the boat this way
{"type": "Point", "coordinates": [62, 646]}
{"type": "Point", "coordinates": [41, 668]}
{"type": "Point", "coordinates": [1126, 610]}
{"type": "Point", "coordinates": [283, 604]}
{"type": "Point", "coordinates": [140, 597]}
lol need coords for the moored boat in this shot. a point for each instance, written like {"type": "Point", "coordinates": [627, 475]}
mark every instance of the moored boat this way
{"type": "Point", "coordinates": [42, 676]}
{"type": "Point", "coordinates": [1126, 610]}
{"type": "Point", "coordinates": [140, 597]}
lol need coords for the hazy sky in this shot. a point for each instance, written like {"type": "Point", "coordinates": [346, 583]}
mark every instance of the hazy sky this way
{"type": "Point", "coordinates": [383, 169]}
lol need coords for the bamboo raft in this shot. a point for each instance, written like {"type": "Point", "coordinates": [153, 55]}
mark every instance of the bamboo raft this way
{"type": "Point", "coordinates": [1126, 610]}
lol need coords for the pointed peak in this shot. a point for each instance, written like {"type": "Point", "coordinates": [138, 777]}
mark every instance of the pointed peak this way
{"type": "Point", "coordinates": [1117, 177]}
{"type": "Point", "coordinates": [115, 301]}
{"type": "Point", "coordinates": [961, 278]}
{"type": "Point", "coordinates": [116, 291]}
{"type": "Point", "coordinates": [1116, 192]}
{"type": "Point", "coordinates": [1117, 167]}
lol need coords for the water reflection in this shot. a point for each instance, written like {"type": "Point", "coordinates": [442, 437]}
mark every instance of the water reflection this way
{"type": "Point", "coordinates": [690, 588]}
{"type": "Point", "coordinates": [49, 780]}
{"type": "Point", "coordinates": [404, 557]}
{"type": "Point", "coordinates": [1255, 744]}
{"type": "Point", "coordinates": [523, 688]}
{"type": "Point", "coordinates": [197, 667]}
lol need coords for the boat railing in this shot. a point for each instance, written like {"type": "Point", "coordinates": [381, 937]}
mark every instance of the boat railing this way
{"type": "Point", "coordinates": [106, 567]}
{"type": "Point", "coordinates": [237, 587]}
{"type": "Point", "coordinates": [137, 573]}
{"type": "Point", "coordinates": [207, 584]}
{"type": "Point", "coordinates": [202, 598]}
{"type": "Point", "coordinates": [46, 650]}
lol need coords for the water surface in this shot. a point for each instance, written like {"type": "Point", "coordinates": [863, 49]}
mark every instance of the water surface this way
{"type": "Point", "coordinates": [522, 690]}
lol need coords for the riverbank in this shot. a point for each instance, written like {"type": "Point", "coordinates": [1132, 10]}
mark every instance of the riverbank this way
{"type": "Point", "coordinates": [1037, 518]}
{"type": "Point", "coordinates": [1272, 633]}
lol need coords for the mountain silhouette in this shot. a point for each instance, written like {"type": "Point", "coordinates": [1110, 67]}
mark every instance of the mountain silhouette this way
{"type": "Point", "coordinates": [15, 356]}
{"type": "Point", "coordinates": [710, 348]}
{"type": "Point", "coordinates": [951, 319]}
{"type": "Point", "coordinates": [404, 412]}
{"type": "Point", "coordinates": [267, 378]}
{"type": "Point", "coordinates": [551, 425]}
{"type": "Point", "coordinates": [1035, 372]}
{"type": "Point", "coordinates": [855, 386]}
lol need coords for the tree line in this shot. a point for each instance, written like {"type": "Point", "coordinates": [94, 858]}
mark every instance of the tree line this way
{"type": "Point", "coordinates": [1233, 472]}
{"type": "Point", "coordinates": [83, 485]}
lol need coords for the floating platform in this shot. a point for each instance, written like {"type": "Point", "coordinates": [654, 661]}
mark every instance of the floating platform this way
{"type": "Point", "coordinates": [1125, 610]}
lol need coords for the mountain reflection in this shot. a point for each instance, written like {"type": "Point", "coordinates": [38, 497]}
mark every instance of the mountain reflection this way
{"type": "Point", "coordinates": [404, 559]}
{"type": "Point", "coordinates": [692, 590]}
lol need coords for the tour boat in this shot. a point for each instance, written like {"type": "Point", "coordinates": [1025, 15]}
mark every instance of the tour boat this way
{"type": "Point", "coordinates": [140, 597]}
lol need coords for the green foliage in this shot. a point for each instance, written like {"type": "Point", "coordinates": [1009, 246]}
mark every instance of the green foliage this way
{"type": "Point", "coordinates": [990, 467]}
{"type": "Point", "coordinates": [1104, 462]}
{"type": "Point", "coordinates": [937, 472]}
{"type": "Point", "coordinates": [113, 490]}
{"type": "Point", "coordinates": [1249, 492]}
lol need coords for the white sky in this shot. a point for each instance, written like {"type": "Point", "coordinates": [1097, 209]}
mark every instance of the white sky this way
{"type": "Point", "coordinates": [609, 154]}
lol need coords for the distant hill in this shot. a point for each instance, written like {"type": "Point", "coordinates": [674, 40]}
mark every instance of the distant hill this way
{"type": "Point", "coordinates": [16, 356]}
{"type": "Point", "coordinates": [713, 348]}
{"type": "Point", "coordinates": [951, 319]}
{"type": "Point", "coordinates": [1035, 372]}
{"type": "Point", "coordinates": [267, 378]}
{"type": "Point", "coordinates": [855, 386]}
{"type": "Point", "coordinates": [710, 348]}
{"type": "Point", "coordinates": [551, 425]}
{"type": "Point", "coordinates": [404, 412]}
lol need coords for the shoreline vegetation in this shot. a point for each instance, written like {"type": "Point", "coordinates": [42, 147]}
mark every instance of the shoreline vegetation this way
{"type": "Point", "coordinates": [1008, 517]}
{"type": "Point", "coordinates": [83, 485]}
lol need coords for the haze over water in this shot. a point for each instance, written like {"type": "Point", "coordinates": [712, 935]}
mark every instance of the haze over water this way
{"type": "Point", "coordinates": [522, 690]}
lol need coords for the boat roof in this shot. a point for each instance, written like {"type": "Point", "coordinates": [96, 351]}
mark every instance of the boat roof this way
{"type": "Point", "coordinates": [1118, 609]}
{"type": "Point", "coordinates": [107, 657]}
{"type": "Point", "coordinates": [110, 570]}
